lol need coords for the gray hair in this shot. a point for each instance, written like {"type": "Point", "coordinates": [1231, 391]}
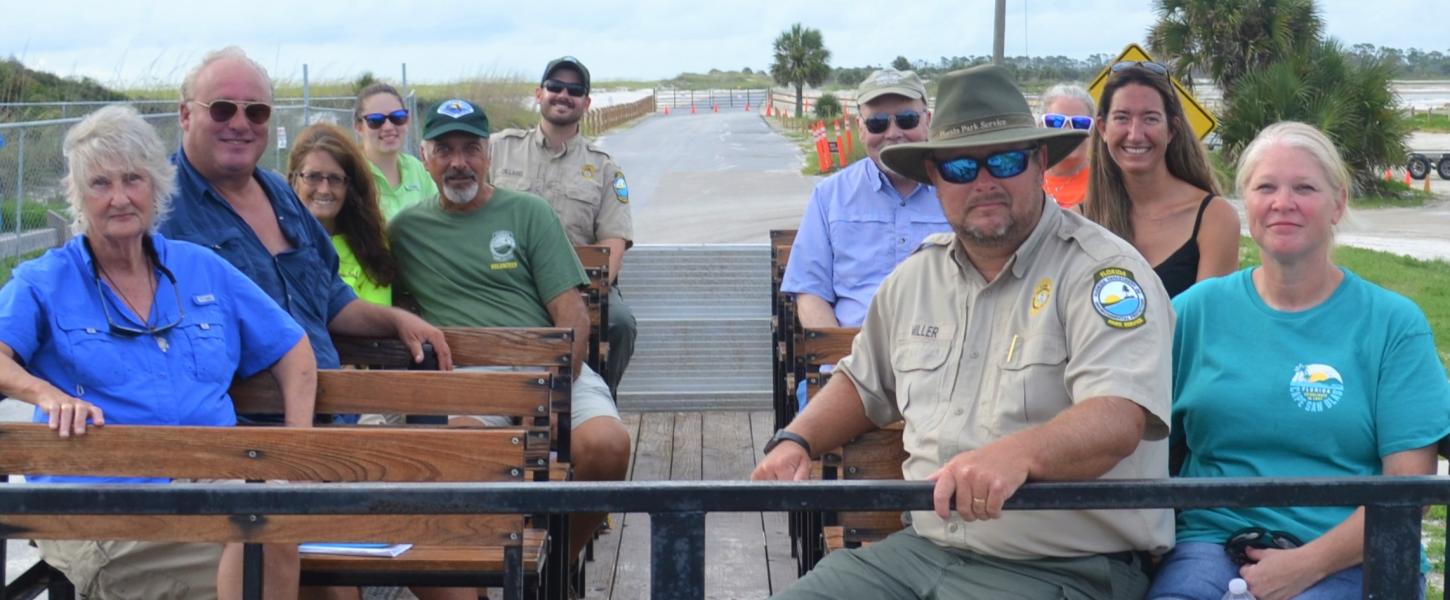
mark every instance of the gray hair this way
{"type": "Point", "coordinates": [188, 85]}
{"type": "Point", "coordinates": [1071, 91]}
{"type": "Point", "coordinates": [116, 137]}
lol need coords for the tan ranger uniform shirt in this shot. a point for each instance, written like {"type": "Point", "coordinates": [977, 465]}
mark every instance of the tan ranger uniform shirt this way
{"type": "Point", "coordinates": [582, 183]}
{"type": "Point", "coordinates": [1076, 313]}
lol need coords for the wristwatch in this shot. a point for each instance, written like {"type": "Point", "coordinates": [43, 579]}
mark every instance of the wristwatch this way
{"type": "Point", "coordinates": [786, 436]}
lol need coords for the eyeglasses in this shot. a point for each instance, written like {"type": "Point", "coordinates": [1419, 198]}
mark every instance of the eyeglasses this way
{"type": "Point", "coordinates": [905, 120]}
{"type": "Point", "coordinates": [223, 110]}
{"type": "Point", "coordinates": [1146, 65]}
{"type": "Point", "coordinates": [375, 120]}
{"type": "Point", "coordinates": [1240, 541]}
{"type": "Point", "coordinates": [130, 332]}
{"type": "Point", "coordinates": [316, 179]}
{"type": "Point", "coordinates": [1002, 165]}
{"type": "Point", "coordinates": [555, 86]}
{"type": "Point", "coordinates": [1056, 121]}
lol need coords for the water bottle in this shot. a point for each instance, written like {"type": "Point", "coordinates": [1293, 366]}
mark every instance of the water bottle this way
{"type": "Point", "coordinates": [1238, 589]}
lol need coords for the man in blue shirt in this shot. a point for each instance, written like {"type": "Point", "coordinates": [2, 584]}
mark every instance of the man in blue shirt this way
{"type": "Point", "coordinates": [864, 220]}
{"type": "Point", "coordinates": [252, 218]}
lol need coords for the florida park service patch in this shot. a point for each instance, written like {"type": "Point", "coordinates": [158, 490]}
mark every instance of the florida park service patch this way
{"type": "Point", "coordinates": [1118, 298]}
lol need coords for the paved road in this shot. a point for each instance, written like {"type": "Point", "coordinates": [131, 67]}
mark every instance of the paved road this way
{"type": "Point", "coordinates": [709, 178]}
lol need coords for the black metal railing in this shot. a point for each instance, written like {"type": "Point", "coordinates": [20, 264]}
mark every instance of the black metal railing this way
{"type": "Point", "coordinates": [677, 509]}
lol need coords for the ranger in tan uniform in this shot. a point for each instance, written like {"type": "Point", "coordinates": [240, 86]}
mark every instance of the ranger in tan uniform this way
{"type": "Point", "coordinates": [1030, 344]}
{"type": "Point", "coordinates": [587, 190]}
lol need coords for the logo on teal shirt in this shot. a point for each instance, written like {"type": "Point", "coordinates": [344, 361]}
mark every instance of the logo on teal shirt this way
{"type": "Point", "coordinates": [1315, 387]}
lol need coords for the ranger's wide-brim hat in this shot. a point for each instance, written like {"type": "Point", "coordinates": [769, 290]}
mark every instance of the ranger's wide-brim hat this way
{"type": "Point", "coordinates": [977, 107]}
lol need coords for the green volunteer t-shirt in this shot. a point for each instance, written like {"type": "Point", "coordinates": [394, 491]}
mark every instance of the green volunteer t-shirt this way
{"type": "Point", "coordinates": [356, 278]}
{"type": "Point", "coordinates": [497, 266]}
{"type": "Point", "coordinates": [414, 185]}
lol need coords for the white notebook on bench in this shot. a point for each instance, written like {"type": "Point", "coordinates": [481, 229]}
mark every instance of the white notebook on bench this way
{"type": "Point", "coordinates": [347, 549]}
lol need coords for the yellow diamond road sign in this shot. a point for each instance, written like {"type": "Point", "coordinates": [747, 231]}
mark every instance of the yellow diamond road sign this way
{"type": "Point", "coordinates": [1199, 118]}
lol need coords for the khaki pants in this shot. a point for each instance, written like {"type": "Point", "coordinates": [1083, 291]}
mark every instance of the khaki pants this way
{"type": "Point", "coordinates": [905, 566]}
{"type": "Point", "coordinates": [135, 570]}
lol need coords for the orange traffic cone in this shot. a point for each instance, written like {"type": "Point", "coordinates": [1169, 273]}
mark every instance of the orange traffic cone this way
{"type": "Point", "coordinates": [747, 106]}
{"type": "Point", "coordinates": [1407, 177]}
{"type": "Point", "coordinates": [692, 107]}
{"type": "Point", "coordinates": [715, 108]}
{"type": "Point", "coordinates": [823, 151]}
{"type": "Point", "coordinates": [849, 144]}
{"type": "Point", "coordinates": [840, 146]}
{"type": "Point", "coordinates": [1387, 175]}
{"type": "Point", "coordinates": [667, 111]}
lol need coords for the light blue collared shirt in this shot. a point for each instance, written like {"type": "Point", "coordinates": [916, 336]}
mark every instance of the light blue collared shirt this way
{"type": "Point", "coordinates": [855, 230]}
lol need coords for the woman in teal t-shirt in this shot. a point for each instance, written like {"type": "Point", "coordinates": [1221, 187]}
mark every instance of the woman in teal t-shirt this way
{"type": "Point", "coordinates": [331, 177]}
{"type": "Point", "coordinates": [381, 122]}
{"type": "Point", "coordinates": [1296, 368]}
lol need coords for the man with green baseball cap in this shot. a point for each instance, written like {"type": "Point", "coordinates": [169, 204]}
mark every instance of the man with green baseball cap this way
{"type": "Point", "coordinates": [486, 256]}
{"type": "Point", "coordinates": [1021, 347]}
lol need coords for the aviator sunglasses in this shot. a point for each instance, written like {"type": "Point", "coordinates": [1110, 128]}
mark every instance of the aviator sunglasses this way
{"type": "Point", "coordinates": [1240, 541]}
{"type": "Point", "coordinates": [375, 120]}
{"type": "Point", "coordinates": [555, 86]}
{"type": "Point", "coordinates": [1146, 65]}
{"type": "Point", "coordinates": [1002, 165]}
{"type": "Point", "coordinates": [222, 111]}
{"type": "Point", "coordinates": [905, 120]}
{"type": "Point", "coordinates": [1056, 121]}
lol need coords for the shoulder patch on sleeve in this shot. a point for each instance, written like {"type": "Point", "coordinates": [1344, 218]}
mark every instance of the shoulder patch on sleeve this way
{"type": "Point", "coordinates": [621, 188]}
{"type": "Point", "coordinates": [1118, 298]}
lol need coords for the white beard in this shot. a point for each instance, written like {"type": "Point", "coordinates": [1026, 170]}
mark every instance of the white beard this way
{"type": "Point", "coordinates": [461, 195]}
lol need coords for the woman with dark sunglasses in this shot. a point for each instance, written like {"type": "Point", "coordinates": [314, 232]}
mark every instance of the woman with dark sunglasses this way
{"type": "Point", "coordinates": [1295, 368]}
{"type": "Point", "coordinates": [121, 326]}
{"type": "Point", "coordinates": [1151, 183]}
{"type": "Point", "coordinates": [1068, 106]}
{"type": "Point", "coordinates": [382, 122]}
{"type": "Point", "coordinates": [333, 180]}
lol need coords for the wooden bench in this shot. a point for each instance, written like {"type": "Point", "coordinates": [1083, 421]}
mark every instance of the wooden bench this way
{"type": "Point", "coordinates": [330, 454]}
{"type": "Point", "coordinates": [595, 260]}
{"type": "Point", "coordinates": [544, 348]}
{"type": "Point", "coordinates": [782, 323]}
{"type": "Point", "coordinates": [813, 349]}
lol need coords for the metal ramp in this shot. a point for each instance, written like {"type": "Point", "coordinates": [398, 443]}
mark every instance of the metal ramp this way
{"type": "Point", "coordinates": [704, 327]}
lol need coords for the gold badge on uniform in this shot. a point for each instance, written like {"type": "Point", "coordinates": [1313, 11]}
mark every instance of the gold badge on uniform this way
{"type": "Point", "coordinates": [1040, 295]}
{"type": "Point", "coordinates": [587, 171]}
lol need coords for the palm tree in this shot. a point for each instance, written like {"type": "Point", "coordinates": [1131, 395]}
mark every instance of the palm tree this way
{"type": "Point", "coordinates": [1347, 97]}
{"type": "Point", "coordinates": [801, 59]}
{"type": "Point", "coordinates": [1227, 38]}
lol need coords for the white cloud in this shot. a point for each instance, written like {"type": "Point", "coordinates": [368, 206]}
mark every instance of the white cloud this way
{"type": "Point", "coordinates": [154, 43]}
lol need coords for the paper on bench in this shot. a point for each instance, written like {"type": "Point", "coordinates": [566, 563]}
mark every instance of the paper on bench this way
{"type": "Point", "coordinates": [378, 550]}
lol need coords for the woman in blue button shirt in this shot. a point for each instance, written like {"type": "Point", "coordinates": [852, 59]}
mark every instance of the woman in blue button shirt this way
{"type": "Point", "coordinates": [123, 326]}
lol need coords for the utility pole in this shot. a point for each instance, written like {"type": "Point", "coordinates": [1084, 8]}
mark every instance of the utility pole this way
{"type": "Point", "coordinates": [999, 32]}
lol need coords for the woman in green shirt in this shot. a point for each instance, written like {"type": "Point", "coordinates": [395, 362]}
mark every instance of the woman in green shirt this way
{"type": "Point", "coordinates": [381, 122]}
{"type": "Point", "coordinates": [331, 177]}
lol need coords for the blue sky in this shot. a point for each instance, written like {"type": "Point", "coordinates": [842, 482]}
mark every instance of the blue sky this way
{"type": "Point", "coordinates": [154, 43]}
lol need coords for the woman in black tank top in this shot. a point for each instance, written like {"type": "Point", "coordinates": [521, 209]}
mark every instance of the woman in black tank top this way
{"type": "Point", "coordinates": [1149, 172]}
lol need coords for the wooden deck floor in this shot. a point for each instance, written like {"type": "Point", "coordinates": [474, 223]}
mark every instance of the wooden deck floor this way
{"type": "Point", "coordinates": [747, 554]}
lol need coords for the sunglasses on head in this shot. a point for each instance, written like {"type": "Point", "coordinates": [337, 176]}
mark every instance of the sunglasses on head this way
{"type": "Point", "coordinates": [222, 111]}
{"type": "Point", "coordinates": [1056, 121]}
{"type": "Point", "coordinates": [1147, 65]}
{"type": "Point", "coordinates": [1002, 165]}
{"type": "Point", "coordinates": [1240, 541]}
{"type": "Point", "coordinates": [555, 86]}
{"type": "Point", "coordinates": [376, 120]}
{"type": "Point", "coordinates": [905, 120]}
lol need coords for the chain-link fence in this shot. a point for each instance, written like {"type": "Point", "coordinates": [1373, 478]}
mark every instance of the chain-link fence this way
{"type": "Point", "coordinates": [31, 165]}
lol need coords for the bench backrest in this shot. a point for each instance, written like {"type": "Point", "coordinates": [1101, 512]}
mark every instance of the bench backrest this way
{"type": "Point", "coordinates": [269, 453]}
{"type": "Point", "coordinates": [595, 260]}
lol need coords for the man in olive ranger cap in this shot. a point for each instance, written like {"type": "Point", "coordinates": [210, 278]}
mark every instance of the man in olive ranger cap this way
{"type": "Point", "coordinates": [1027, 345]}
{"type": "Point", "coordinates": [581, 182]}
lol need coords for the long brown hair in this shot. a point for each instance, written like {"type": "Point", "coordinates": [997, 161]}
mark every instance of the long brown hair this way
{"type": "Point", "coordinates": [1107, 201]}
{"type": "Point", "coordinates": [360, 221]}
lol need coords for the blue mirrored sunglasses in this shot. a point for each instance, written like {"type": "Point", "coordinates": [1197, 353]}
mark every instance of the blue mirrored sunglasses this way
{"type": "Point", "coordinates": [1056, 121]}
{"type": "Point", "coordinates": [1002, 165]}
{"type": "Point", "coordinates": [375, 120]}
{"type": "Point", "coordinates": [1148, 65]}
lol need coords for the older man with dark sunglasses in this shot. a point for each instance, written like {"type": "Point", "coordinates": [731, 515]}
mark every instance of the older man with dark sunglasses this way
{"type": "Point", "coordinates": [863, 221]}
{"type": "Point", "coordinates": [1028, 345]}
{"type": "Point", "coordinates": [582, 183]}
{"type": "Point", "coordinates": [252, 218]}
